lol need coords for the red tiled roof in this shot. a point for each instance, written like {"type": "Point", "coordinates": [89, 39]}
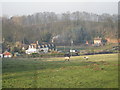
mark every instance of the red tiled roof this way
{"type": "Point", "coordinates": [7, 53]}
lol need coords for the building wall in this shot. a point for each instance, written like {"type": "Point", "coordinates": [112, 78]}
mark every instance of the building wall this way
{"type": "Point", "coordinates": [7, 56]}
{"type": "Point", "coordinates": [97, 42]}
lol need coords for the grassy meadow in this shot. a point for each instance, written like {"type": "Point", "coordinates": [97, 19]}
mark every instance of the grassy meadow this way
{"type": "Point", "coordinates": [99, 71]}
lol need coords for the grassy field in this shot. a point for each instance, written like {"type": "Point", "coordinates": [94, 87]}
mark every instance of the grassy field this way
{"type": "Point", "coordinates": [99, 71]}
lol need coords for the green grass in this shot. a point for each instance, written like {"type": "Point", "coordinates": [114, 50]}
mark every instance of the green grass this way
{"type": "Point", "coordinates": [100, 71]}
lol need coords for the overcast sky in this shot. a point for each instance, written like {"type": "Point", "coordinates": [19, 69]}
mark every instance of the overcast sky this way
{"type": "Point", "coordinates": [24, 8]}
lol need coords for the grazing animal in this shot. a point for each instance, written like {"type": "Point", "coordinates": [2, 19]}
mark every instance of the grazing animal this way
{"type": "Point", "coordinates": [86, 58]}
{"type": "Point", "coordinates": [67, 57]}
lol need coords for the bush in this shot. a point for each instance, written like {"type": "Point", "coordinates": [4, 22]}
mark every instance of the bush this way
{"type": "Point", "coordinates": [34, 55]}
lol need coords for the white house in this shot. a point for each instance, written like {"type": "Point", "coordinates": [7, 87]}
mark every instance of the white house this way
{"type": "Point", "coordinates": [45, 50]}
{"type": "Point", "coordinates": [1, 55]}
{"type": "Point", "coordinates": [72, 51]}
{"type": "Point", "coordinates": [38, 48]}
{"type": "Point", "coordinates": [97, 41]}
{"type": "Point", "coordinates": [31, 50]}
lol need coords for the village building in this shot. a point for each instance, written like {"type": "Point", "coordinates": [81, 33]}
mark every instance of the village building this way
{"type": "Point", "coordinates": [7, 54]}
{"type": "Point", "coordinates": [86, 43]}
{"type": "Point", "coordinates": [24, 47]}
{"type": "Point", "coordinates": [97, 41]}
{"type": "Point", "coordinates": [1, 55]}
{"type": "Point", "coordinates": [31, 49]}
{"type": "Point", "coordinates": [45, 50]}
{"type": "Point", "coordinates": [39, 48]}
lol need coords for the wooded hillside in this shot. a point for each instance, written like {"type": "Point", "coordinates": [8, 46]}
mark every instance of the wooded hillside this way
{"type": "Point", "coordinates": [64, 27]}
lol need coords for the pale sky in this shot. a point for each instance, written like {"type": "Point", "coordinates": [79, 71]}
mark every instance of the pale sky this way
{"type": "Point", "coordinates": [59, 0]}
{"type": "Point", "coordinates": [11, 8]}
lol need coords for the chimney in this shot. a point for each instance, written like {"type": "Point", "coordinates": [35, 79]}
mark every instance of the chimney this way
{"type": "Point", "coordinates": [29, 46]}
{"type": "Point", "coordinates": [32, 46]}
{"type": "Point", "coordinates": [37, 42]}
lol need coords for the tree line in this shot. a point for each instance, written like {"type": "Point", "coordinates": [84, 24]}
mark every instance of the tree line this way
{"type": "Point", "coordinates": [43, 26]}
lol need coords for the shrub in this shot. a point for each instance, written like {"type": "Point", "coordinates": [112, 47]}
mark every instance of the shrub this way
{"type": "Point", "coordinates": [34, 55]}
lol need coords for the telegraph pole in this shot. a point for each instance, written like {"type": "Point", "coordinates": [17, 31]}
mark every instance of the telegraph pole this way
{"type": "Point", "coordinates": [71, 47]}
{"type": "Point", "coordinates": [64, 46]}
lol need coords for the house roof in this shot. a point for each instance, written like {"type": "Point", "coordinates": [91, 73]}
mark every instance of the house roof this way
{"type": "Point", "coordinates": [7, 53]}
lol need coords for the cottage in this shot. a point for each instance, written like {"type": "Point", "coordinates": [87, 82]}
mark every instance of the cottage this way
{"type": "Point", "coordinates": [86, 43]}
{"type": "Point", "coordinates": [7, 54]}
{"type": "Point", "coordinates": [38, 48]}
{"type": "Point", "coordinates": [97, 41]}
{"type": "Point", "coordinates": [24, 47]}
{"type": "Point", "coordinates": [31, 49]}
{"type": "Point", "coordinates": [34, 45]}
{"type": "Point", "coordinates": [45, 50]}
